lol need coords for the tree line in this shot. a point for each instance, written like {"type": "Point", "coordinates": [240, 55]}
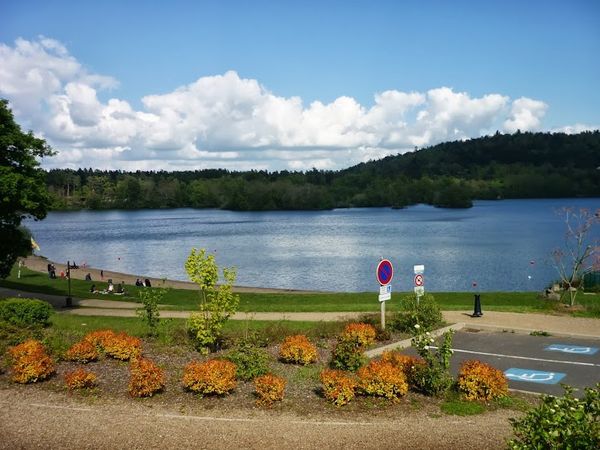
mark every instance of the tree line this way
{"type": "Point", "coordinates": [452, 174]}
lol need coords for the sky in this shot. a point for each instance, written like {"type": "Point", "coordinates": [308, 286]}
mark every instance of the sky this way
{"type": "Point", "coordinates": [291, 85]}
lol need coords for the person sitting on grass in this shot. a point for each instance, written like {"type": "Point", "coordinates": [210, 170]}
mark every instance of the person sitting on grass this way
{"type": "Point", "coordinates": [93, 289]}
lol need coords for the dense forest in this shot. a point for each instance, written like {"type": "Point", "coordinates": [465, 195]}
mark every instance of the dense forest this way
{"type": "Point", "coordinates": [452, 174]}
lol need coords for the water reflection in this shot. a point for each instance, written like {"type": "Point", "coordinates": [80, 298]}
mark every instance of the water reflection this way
{"type": "Point", "coordinates": [492, 243]}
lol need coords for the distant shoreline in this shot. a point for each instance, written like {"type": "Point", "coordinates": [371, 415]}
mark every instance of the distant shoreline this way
{"type": "Point", "coordinates": [40, 263]}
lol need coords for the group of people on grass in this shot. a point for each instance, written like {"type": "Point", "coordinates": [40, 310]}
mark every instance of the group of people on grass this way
{"type": "Point", "coordinates": [119, 289]}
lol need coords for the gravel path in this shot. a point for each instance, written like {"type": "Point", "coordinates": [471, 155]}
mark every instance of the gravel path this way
{"type": "Point", "coordinates": [34, 418]}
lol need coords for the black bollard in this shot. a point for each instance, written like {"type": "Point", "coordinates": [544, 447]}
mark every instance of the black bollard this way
{"type": "Point", "coordinates": [477, 306]}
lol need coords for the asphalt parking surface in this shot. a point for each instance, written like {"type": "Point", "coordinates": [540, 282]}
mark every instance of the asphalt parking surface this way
{"type": "Point", "coordinates": [532, 363]}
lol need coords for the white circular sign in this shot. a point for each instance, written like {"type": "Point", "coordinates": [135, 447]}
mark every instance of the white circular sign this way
{"type": "Point", "coordinates": [419, 280]}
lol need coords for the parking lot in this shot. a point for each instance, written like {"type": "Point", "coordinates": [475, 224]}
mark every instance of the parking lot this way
{"type": "Point", "coordinates": [532, 363]}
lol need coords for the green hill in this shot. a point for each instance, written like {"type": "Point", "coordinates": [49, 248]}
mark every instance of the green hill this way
{"type": "Point", "coordinates": [451, 174]}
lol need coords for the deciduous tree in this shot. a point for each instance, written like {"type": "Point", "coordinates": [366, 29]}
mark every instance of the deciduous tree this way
{"type": "Point", "coordinates": [22, 187]}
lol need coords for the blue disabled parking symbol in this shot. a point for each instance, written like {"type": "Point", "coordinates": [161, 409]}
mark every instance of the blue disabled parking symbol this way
{"type": "Point", "coordinates": [534, 376]}
{"type": "Point", "coordinates": [572, 349]}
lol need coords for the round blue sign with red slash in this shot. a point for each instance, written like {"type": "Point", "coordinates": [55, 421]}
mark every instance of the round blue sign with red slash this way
{"type": "Point", "coordinates": [385, 272]}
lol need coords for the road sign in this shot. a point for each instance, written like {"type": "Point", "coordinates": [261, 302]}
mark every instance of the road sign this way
{"type": "Point", "coordinates": [385, 297]}
{"type": "Point", "coordinates": [385, 272]}
{"type": "Point", "coordinates": [419, 269]}
{"type": "Point", "coordinates": [387, 289]}
{"type": "Point", "coordinates": [534, 376]}
{"type": "Point", "coordinates": [419, 280]}
{"type": "Point", "coordinates": [419, 291]}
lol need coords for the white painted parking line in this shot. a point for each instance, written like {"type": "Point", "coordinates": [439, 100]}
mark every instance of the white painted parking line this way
{"type": "Point", "coordinates": [500, 355]}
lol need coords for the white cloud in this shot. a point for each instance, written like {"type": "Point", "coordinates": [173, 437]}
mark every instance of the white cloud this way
{"type": "Point", "coordinates": [525, 115]}
{"type": "Point", "coordinates": [232, 122]}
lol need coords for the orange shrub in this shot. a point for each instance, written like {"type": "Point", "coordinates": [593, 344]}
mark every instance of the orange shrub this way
{"type": "Point", "coordinates": [215, 376]}
{"type": "Point", "coordinates": [30, 362]}
{"type": "Point", "coordinates": [338, 386]}
{"type": "Point", "coordinates": [480, 381]}
{"type": "Point", "coordinates": [269, 389]}
{"type": "Point", "coordinates": [99, 338]}
{"type": "Point", "coordinates": [408, 364]}
{"type": "Point", "coordinates": [146, 378]}
{"type": "Point", "coordinates": [361, 334]}
{"type": "Point", "coordinates": [83, 352]}
{"type": "Point", "coordinates": [122, 346]}
{"type": "Point", "coordinates": [80, 379]}
{"type": "Point", "coordinates": [382, 379]}
{"type": "Point", "coordinates": [298, 350]}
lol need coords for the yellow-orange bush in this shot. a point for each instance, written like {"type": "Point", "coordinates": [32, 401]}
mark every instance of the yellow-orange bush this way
{"type": "Point", "coordinates": [408, 364]}
{"type": "Point", "coordinates": [30, 362]}
{"type": "Point", "coordinates": [99, 338]}
{"type": "Point", "coordinates": [298, 350]}
{"type": "Point", "coordinates": [362, 334]}
{"type": "Point", "coordinates": [339, 387]}
{"type": "Point", "coordinates": [269, 389]}
{"type": "Point", "coordinates": [146, 378]}
{"type": "Point", "coordinates": [80, 379]}
{"type": "Point", "coordinates": [382, 379]}
{"type": "Point", "coordinates": [83, 352]}
{"type": "Point", "coordinates": [122, 346]}
{"type": "Point", "coordinates": [480, 381]}
{"type": "Point", "coordinates": [215, 376]}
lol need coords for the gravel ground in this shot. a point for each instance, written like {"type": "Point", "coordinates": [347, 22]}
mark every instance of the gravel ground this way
{"type": "Point", "coordinates": [38, 418]}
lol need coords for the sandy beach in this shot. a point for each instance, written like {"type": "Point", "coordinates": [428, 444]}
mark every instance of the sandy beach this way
{"type": "Point", "coordinates": [40, 264]}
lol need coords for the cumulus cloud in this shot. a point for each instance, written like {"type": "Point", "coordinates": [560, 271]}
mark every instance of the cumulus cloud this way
{"type": "Point", "coordinates": [525, 115]}
{"type": "Point", "coordinates": [233, 122]}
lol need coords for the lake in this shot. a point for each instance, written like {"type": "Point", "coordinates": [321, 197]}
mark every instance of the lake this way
{"type": "Point", "coordinates": [499, 245]}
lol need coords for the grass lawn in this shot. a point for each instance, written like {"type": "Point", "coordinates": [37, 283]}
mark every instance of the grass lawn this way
{"type": "Point", "coordinates": [183, 299]}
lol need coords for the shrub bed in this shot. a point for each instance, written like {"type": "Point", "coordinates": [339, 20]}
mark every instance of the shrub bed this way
{"type": "Point", "coordinates": [250, 361]}
{"type": "Point", "coordinates": [80, 379]}
{"type": "Point", "coordinates": [30, 362]}
{"type": "Point", "coordinates": [480, 381]}
{"type": "Point", "coordinates": [382, 379]}
{"type": "Point", "coordinates": [298, 350]}
{"type": "Point", "coordinates": [146, 378]}
{"type": "Point", "coordinates": [362, 334]}
{"type": "Point", "coordinates": [269, 389]}
{"type": "Point", "coordinates": [339, 387]}
{"type": "Point", "coordinates": [83, 352]}
{"type": "Point", "coordinates": [215, 376]}
{"type": "Point", "coordinates": [122, 346]}
{"type": "Point", "coordinates": [25, 312]}
{"type": "Point", "coordinates": [408, 364]}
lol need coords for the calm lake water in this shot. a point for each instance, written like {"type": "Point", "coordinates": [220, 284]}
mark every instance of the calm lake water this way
{"type": "Point", "coordinates": [503, 245]}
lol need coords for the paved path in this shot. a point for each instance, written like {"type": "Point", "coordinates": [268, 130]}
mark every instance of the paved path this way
{"type": "Point", "coordinates": [494, 320]}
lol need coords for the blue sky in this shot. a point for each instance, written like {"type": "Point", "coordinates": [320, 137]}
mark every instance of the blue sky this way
{"type": "Point", "coordinates": [299, 80]}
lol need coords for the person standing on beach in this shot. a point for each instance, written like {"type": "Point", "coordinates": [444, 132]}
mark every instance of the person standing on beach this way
{"type": "Point", "coordinates": [102, 274]}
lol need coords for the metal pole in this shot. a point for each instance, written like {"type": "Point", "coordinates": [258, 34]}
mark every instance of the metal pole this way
{"type": "Point", "coordinates": [69, 299]}
{"type": "Point", "coordinates": [382, 315]}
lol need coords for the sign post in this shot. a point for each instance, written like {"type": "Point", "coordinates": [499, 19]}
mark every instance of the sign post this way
{"type": "Point", "coordinates": [419, 281]}
{"type": "Point", "coordinates": [384, 273]}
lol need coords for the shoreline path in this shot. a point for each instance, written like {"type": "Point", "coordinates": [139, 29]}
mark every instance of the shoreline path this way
{"type": "Point", "coordinates": [518, 322]}
{"type": "Point", "coordinates": [40, 264]}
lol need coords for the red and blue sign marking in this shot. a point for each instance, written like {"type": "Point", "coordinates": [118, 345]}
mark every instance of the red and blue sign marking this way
{"type": "Point", "coordinates": [385, 272]}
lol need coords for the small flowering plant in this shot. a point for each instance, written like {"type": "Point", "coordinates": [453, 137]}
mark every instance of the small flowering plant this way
{"type": "Point", "coordinates": [433, 378]}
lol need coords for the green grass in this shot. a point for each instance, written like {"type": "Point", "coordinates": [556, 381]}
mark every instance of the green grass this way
{"type": "Point", "coordinates": [456, 407]}
{"type": "Point", "coordinates": [184, 299]}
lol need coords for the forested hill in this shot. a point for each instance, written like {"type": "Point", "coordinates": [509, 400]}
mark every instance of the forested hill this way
{"type": "Point", "coordinates": [452, 174]}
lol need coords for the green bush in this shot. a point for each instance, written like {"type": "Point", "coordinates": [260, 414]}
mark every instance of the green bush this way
{"type": "Point", "coordinates": [25, 312]}
{"type": "Point", "coordinates": [347, 356]}
{"type": "Point", "coordinates": [560, 422]}
{"type": "Point", "coordinates": [426, 312]}
{"type": "Point", "coordinates": [432, 378]}
{"type": "Point", "coordinates": [251, 361]}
